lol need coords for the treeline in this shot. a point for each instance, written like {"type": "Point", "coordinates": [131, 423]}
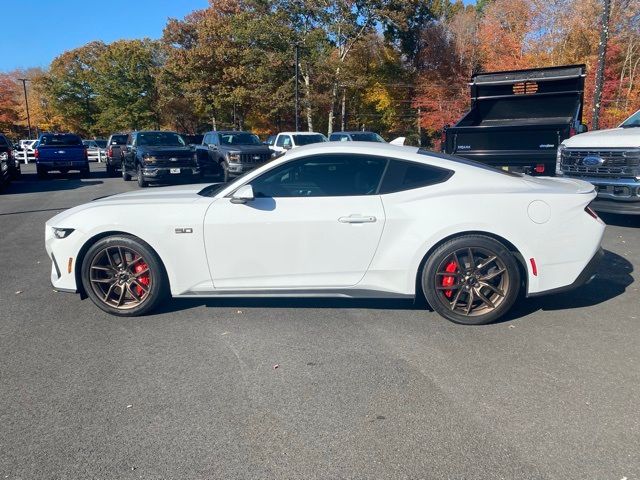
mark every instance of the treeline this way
{"type": "Point", "coordinates": [398, 67]}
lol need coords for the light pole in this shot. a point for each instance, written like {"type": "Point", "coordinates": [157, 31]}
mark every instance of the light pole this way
{"type": "Point", "coordinates": [26, 101]}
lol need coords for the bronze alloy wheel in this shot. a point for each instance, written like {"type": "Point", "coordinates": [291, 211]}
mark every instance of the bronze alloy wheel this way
{"type": "Point", "coordinates": [120, 277]}
{"type": "Point", "coordinates": [472, 279]}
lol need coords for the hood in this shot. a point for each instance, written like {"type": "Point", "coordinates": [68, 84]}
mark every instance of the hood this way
{"type": "Point", "coordinates": [247, 148]}
{"type": "Point", "coordinates": [610, 138]}
{"type": "Point", "coordinates": [159, 150]}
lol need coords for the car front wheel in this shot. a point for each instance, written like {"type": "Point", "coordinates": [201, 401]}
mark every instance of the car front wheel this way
{"type": "Point", "coordinates": [471, 279]}
{"type": "Point", "coordinates": [123, 276]}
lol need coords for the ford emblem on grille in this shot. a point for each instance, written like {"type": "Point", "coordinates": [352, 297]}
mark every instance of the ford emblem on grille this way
{"type": "Point", "coordinates": [592, 161]}
{"type": "Point", "coordinates": [173, 159]}
{"type": "Point", "coordinates": [256, 157]}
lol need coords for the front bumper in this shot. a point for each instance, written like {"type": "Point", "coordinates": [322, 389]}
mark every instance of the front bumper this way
{"type": "Point", "coordinates": [585, 276]}
{"type": "Point", "coordinates": [615, 195]}
{"type": "Point", "coordinates": [152, 174]}
{"type": "Point", "coordinates": [238, 168]}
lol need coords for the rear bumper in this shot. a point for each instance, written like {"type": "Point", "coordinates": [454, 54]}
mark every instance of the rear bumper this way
{"type": "Point", "coordinates": [66, 164]}
{"type": "Point", "coordinates": [585, 276]}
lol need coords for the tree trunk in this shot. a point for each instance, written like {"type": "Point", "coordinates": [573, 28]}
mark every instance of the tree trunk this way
{"type": "Point", "coordinates": [307, 95]}
{"type": "Point", "coordinates": [334, 98]}
{"type": "Point", "coordinates": [343, 113]}
{"type": "Point", "coordinates": [602, 53]}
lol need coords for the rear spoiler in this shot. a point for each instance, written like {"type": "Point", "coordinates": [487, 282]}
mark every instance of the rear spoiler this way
{"type": "Point", "coordinates": [531, 75]}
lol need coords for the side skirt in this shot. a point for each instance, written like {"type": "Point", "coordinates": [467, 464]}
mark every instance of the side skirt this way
{"type": "Point", "coordinates": [307, 293]}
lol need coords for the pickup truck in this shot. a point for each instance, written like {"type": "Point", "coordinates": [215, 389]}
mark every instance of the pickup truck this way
{"type": "Point", "coordinates": [288, 140]}
{"type": "Point", "coordinates": [158, 156]}
{"type": "Point", "coordinates": [115, 144]}
{"type": "Point", "coordinates": [230, 153]}
{"type": "Point", "coordinates": [610, 160]}
{"type": "Point", "coordinates": [61, 152]}
{"type": "Point", "coordinates": [518, 118]}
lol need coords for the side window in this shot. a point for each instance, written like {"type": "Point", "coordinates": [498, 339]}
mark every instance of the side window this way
{"type": "Point", "coordinates": [131, 140]}
{"type": "Point", "coordinates": [207, 139]}
{"type": "Point", "coordinates": [403, 175]}
{"type": "Point", "coordinates": [322, 176]}
{"type": "Point", "coordinates": [280, 141]}
{"type": "Point", "coordinates": [215, 138]}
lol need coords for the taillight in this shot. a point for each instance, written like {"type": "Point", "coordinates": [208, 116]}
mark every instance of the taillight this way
{"type": "Point", "coordinates": [10, 153]}
{"type": "Point", "coordinates": [591, 212]}
{"type": "Point", "coordinates": [572, 131]}
{"type": "Point", "coordinates": [110, 152]}
{"type": "Point", "coordinates": [539, 168]}
{"type": "Point", "coordinates": [36, 153]}
{"type": "Point", "coordinates": [86, 154]}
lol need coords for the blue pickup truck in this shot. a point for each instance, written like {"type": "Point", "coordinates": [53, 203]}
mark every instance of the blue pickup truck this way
{"type": "Point", "coordinates": [61, 152]}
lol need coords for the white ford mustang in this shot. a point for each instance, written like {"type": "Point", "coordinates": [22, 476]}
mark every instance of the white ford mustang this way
{"type": "Point", "coordinates": [341, 219]}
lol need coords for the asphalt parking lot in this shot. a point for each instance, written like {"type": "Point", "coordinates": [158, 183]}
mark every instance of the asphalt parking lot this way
{"type": "Point", "coordinates": [362, 389]}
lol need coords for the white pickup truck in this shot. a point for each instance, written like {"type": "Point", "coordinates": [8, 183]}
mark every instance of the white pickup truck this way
{"type": "Point", "coordinates": [610, 160]}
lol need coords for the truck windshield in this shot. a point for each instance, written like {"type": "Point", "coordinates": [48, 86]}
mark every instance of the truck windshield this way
{"type": "Point", "coordinates": [65, 140]}
{"type": "Point", "coordinates": [162, 139]}
{"type": "Point", "coordinates": [632, 121]}
{"type": "Point", "coordinates": [118, 140]}
{"type": "Point", "coordinates": [309, 139]}
{"type": "Point", "coordinates": [366, 137]}
{"type": "Point", "coordinates": [240, 138]}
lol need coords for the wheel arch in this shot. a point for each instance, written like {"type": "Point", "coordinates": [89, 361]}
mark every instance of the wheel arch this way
{"type": "Point", "coordinates": [99, 236]}
{"type": "Point", "coordinates": [520, 261]}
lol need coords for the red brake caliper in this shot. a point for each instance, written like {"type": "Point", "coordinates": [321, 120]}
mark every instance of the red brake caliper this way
{"type": "Point", "coordinates": [449, 281]}
{"type": "Point", "coordinates": [143, 279]}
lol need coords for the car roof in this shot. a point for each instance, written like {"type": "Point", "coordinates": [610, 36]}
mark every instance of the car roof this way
{"type": "Point", "coordinates": [300, 133]}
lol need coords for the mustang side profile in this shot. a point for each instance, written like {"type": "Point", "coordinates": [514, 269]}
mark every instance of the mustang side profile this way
{"type": "Point", "coordinates": [346, 219]}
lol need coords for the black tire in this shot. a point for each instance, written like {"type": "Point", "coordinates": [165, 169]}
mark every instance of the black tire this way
{"type": "Point", "coordinates": [125, 176]}
{"type": "Point", "coordinates": [42, 173]}
{"type": "Point", "coordinates": [482, 290]}
{"type": "Point", "coordinates": [131, 247]}
{"type": "Point", "coordinates": [224, 171]}
{"type": "Point", "coordinates": [85, 173]}
{"type": "Point", "coordinates": [110, 170]}
{"type": "Point", "coordinates": [141, 181]}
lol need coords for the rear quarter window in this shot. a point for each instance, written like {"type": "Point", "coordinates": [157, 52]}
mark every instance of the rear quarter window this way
{"type": "Point", "coordinates": [60, 140]}
{"type": "Point", "coordinates": [404, 175]}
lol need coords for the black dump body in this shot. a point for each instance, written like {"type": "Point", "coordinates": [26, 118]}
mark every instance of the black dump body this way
{"type": "Point", "coordinates": [518, 118]}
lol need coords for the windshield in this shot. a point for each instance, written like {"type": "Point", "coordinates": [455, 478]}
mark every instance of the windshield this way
{"type": "Point", "coordinates": [118, 140]}
{"type": "Point", "coordinates": [163, 139]}
{"type": "Point", "coordinates": [309, 139]}
{"type": "Point", "coordinates": [61, 140]}
{"type": "Point", "coordinates": [89, 143]}
{"type": "Point", "coordinates": [101, 143]}
{"type": "Point", "coordinates": [366, 137]}
{"type": "Point", "coordinates": [240, 138]}
{"type": "Point", "coordinates": [632, 121]}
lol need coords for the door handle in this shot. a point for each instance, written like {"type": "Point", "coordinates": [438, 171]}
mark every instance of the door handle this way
{"type": "Point", "coordinates": [357, 219]}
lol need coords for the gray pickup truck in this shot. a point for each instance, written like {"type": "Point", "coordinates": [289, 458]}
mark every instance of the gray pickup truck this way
{"type": "Point", "coordinates": [115, 144]}
{"type": "Point", "coordinates": [231, 153]}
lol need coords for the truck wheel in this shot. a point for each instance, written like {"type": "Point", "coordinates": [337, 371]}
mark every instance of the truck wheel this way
{"type": "Point", "coordinates": [109, 169]}
{"type": "Point", "coordinates": [141, 182]}
{"type": "Point", "coordinates": [125, 176]}
{"type": "Point", "coordinates": [85, 173]}
{"type": "Point", "coordinates": [42, 173]}
{"type": "Point", "coordinates": [471, 279]}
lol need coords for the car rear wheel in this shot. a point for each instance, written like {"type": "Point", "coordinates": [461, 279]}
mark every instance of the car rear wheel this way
{"type": "Point", "coordinates": [42, 173]}
{"type": "Point", "coordinates": [471, 280]}
{"type": "Point", "coordinates": [123, 276]}
{"type": "Point", "coordinates": [85, 173]}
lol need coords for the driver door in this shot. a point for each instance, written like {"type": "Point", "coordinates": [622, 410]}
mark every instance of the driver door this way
{"type": "Point", "coordinates": [315, 222]}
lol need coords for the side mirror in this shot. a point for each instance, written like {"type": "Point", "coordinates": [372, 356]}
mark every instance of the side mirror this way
{"type": "Point", "coordinates": [287, 146]}
{"type": "Point", "coordinates": [582, 128]}
{"type": "Point", "coordinates": [243, 195]}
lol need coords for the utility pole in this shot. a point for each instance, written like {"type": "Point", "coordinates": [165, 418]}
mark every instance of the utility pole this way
{"type": "Point", "coordinates": [297, 56]}
{"type": "Point", "coordinates": [602, 53]}
{"type": "Point", "coordinates": [26, 101]}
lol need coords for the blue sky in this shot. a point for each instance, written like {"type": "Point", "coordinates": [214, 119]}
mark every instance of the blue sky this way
{"type": "Point", "coordinates": [34, 32]}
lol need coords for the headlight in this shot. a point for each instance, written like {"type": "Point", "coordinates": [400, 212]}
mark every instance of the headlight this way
{"type": "Point", "coordinates": [61, 233]}
{"type": "Point", "coordinates": [559, 159]}
{"type": "Point", "coordinates": [149, 158]}
{"type": "Point", "coordinates": [234, 157]}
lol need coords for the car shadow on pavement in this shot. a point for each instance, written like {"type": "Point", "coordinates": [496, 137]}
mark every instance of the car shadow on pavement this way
{"type": "Point", "coordinates": [612, 279]}
{"type": "Point", "coordinates": [30, 183]}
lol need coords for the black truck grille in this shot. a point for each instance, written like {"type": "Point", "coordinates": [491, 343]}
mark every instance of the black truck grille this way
{"type": "Point", "coordinates": [614, 162]}
{"type": "Point", "coordinates": [254, 157]}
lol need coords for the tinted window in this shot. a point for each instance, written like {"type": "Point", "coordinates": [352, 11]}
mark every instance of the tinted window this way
{"type": "Point", "coordinates": [632, 121]}
{"type": "Point", "coordinates": [207, 139]}
{"type": "Point", "coordinates": [165, 139]}
{"type": "Point", "coordinates": [466, 161]}
{"type": "Point", "coordinates": [367, 137]}
{"type": "Point", "coordinates": [118, 140]}
{"type": "Point", "coordinates": [60, 140]}
{"type": "Point", "coordinates": [101, 143]}
{"type": "Point", "coordinates": [322, 176]}
{"type": "Point", "coordinates": [309, 139]}
{"type": "Point", "coordinates": [280, 142]}
{"type": "Point", "coordinates": [4, 141]}
{"type": "Point", "coordinates": [401, 175]}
